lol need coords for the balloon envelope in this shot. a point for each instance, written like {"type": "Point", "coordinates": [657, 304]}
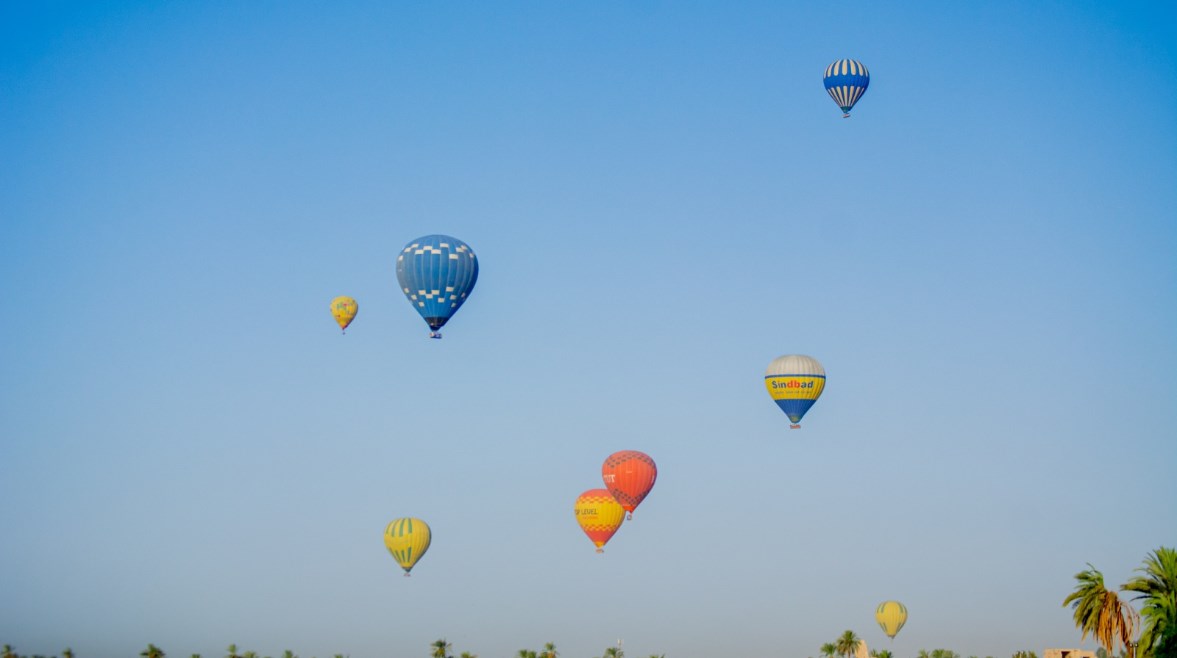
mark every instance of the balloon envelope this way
{"type": "Point", "coordinates": [795, 382]}
{"type": "Point", "coordinates": [629, 476]}
{"type": "Point", "coordinates": [437, 273]}
{"type": "Point", "coordinates": [407, 540]}
{"type": "Point", "coordinates": [599, 516]}
{"type": "Point", "coordinates": [846, 81]}
{"type": "Point", "coordinates": [891, 616]}
{"type": "Point", "coordinates": [343, 309]}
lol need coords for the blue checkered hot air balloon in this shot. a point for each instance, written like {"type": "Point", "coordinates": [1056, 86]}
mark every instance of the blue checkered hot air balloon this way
{"type": "Point", "coordinates": [437, 273]}
{"type": "Point", "coordinates": [846, 81]}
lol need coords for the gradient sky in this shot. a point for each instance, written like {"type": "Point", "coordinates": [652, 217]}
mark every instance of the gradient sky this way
{"type": "Point", "coordinates": [663, 199]}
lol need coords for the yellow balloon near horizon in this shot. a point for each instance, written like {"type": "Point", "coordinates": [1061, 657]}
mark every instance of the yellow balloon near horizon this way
{"type": "Point", "coordinates": [344, 309]}
{"type": "Point", "coordinates": [407, 540]}
{"type": "Point", "coordinates": [891, 616]}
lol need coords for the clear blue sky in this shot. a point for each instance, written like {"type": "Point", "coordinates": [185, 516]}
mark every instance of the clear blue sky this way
{"type": "Point", "coordinates": [663, 199]}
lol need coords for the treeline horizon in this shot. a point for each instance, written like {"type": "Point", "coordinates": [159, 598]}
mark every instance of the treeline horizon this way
{"type": "Point", "coordinates": [549, 651]}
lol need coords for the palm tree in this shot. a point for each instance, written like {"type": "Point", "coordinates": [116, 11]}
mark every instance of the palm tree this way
{"type": "Point", "coordinates": [613, 652]}
{"type": "Point", "coordinates": [1100, 612]}
{"type": "Point", "coordinates": [288, 654]}
{"type": "Point", "coordinates": [68, 653]}
{"type": "Point", "coordinates": [467, 654]}
{"type": "Point", "coordinates": [152, 651]}
{"type": "Point", "coordinates": [8, 652]}
{"type": "Point", "coordinates": [847, 644]}
{"type": "Point", "coordinates": [1157, 589]}
{"type": "Point", "coordinates": [549, 651]}
{"type": "Point", "coordinates": [829, 650]}
{"type": "Point", "coordinates": [441, 649]}
{"type": "Point", "coordinates": [885, 653]}
{"type": "Point", "coordinates": [232, 651]}
{"type": "Point", "coordinates": [525, 653]}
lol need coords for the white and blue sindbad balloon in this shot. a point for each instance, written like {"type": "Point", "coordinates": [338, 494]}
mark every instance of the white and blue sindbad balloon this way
{"type": "Point", "coordinates": [795, 382]}
{"type": "Point", "coordinates": [437, 273]}
{"type": "Point", "coordinates": [846, 81]}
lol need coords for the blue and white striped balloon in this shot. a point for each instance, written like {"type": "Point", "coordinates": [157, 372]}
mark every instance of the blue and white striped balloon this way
{"type": "Point", "coordinates": [846, 81]}
{"type": "Point", "coordinates": [436, 274]}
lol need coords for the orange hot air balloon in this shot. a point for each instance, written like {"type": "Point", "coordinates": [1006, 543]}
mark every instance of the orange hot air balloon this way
{"type": "Point", "coordinates": [599, 515]}
{"type": "Point", "coordinates": [629, 476]}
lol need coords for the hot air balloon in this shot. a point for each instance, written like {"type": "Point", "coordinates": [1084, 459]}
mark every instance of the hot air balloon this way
{"type": "Point", "coordinates": [407, 539]}
{"type": "Point", "coordinates": [629, 476]}
{"type": "Point", "coordinates": [846, 81]}
{"type": "Point", "coordinates": [891, 615]}
{"type": "Point", "coordinates": [344, 308]}
{"type": "Point", "coordinates": [599, 515]}
{"type": "Point", "coordinates": [437, 273]}
{"type": "Point", "coordinates": [795, 382]}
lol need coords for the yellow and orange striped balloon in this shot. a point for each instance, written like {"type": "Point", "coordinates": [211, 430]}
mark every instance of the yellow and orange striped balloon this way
{"type": "Point", "coordinates": [599, 516]}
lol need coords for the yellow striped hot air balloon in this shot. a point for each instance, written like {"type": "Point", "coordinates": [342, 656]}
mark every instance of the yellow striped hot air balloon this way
{"type": "Point", "coordinates": [891, 616]}
{"type": "Point", "coordinates": [407, 539]}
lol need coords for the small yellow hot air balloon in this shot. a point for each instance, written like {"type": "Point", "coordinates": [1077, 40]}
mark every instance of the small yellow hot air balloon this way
{"type": "Point", "coordinates": [344, 309]}
{"type": "Point", "coordinates": [891, 616]}
{"type": "Point", "coordinates": [407, 539]}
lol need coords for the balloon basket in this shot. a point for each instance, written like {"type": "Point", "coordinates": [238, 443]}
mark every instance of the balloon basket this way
{"type": "Point", "coordinates": [629, 516]}
{"type": "Point", "coordinates": [845, 116]}
{"type": "Point", "coordinates": [600, 550]}
{"type": "Point", "coordinates": [435, 335]}
{"type": "Point", "coordinates": [407, 574]}
{"type": "Point", "coordinates": [794, 427]}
